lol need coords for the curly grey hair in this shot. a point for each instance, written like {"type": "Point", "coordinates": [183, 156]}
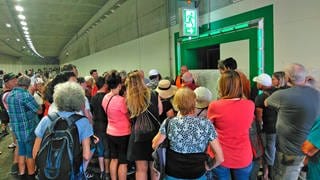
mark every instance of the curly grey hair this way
{"type": "Point", "coordinates": [68, 96]}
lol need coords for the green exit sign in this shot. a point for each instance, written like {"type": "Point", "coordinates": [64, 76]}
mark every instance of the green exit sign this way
{"type": "Point", "coordinates": [189, 22]}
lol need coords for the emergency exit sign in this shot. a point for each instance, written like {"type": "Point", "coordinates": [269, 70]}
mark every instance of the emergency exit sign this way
{"type": "Point", "coordinates": [189, 22]}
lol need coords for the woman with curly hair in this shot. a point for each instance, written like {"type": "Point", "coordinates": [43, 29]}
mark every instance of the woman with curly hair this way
{"type": "Point", "coordinates": [139, 99]}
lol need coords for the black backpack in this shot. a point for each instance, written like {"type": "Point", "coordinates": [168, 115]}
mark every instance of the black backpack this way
{"type": "Point", "coordinates": [3, 112]}
{"type": "Point", "coordinates": [60, 154]}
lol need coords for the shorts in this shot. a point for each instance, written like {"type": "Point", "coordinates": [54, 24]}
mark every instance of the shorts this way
{"type": "Point", "coordinates": [118, 147]}
{"type": "Point", "coordinates": [103, 149]}
{"type": "Point", "coordinates": [25, 148]}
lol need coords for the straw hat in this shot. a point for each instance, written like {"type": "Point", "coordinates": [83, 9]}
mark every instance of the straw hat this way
{"type": "Point", "coordinates": [165, 89]}
{"type": "Point", "coordinates": [203, 97]}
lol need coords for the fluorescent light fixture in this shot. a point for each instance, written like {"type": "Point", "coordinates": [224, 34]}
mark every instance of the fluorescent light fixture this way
{"type": "Point", "coordinates": [8, 25]}
{"type": "Point", "coordinates": [18, 39]}
{"type": "Point", "coordinates": [25, 28]}
{"type": "Point", "coordinates": [18, 8]}
{"type": "Point", "coordinates": [23, 23]}
{"type": "Point", "coordinates": [22, 17]}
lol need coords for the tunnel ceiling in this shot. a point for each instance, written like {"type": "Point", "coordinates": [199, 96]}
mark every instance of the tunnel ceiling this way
{"type": "Point", "coordinates": [55, 26]}
{"type": "Point", "coordinates": [51, 24]}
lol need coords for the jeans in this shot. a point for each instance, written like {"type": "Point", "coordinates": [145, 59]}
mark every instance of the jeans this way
{"type": "Point", "coordinates": [224, 173]}
{"type": "Point", "coordinates": [103, 149]}
{"type": "Point", "coordinates": [287, 167]}
{"type": "Point", "coordinates": [269, 143]}
{"type": "Point", "coordinates": [255, 169]}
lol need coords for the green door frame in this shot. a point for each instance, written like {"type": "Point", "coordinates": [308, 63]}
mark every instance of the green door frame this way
{"type": "Point", "coordinates": [260, 40]}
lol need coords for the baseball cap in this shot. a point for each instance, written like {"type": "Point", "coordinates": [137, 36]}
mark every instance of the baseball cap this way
{"type": "Point", "coordinates": [153, 72]}
{"type": "Point", "coordinates": [263, 79]}
{"type": "Point", "coordinates": [9, 76]}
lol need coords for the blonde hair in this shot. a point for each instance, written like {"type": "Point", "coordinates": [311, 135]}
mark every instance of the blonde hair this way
{"type": "Point", "coordinates": [138, 94]}
{"type": "Point", "coordinates": [185, 101]}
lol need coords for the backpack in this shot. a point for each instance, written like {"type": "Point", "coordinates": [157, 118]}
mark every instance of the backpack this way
{"type": "Point", "coordinates": [60, 154]}
{"type": "Point", "coordinates": [147, 124]}
{"type": "Point", "coordinates": [4, 116]}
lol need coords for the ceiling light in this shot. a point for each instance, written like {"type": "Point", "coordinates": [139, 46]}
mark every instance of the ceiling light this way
{"type": "Point", "coordinates": [25, 32]}
{"type": "Point", "coordinates": [18, 39]}
{"type": "Point", "coordinates": [19, 8]}
{"type": "Point", "coordinates": [22, 17]}
{"type": "Point", "coordinates": [8, 25]}
{"type": "Point", "coordinates": [25, 28]}
{"type": "Point", "coordinates": [23, 23]}
{"type": "Point", "coordinates": [27, 35]}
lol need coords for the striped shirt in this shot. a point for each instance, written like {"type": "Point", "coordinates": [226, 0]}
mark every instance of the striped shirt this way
{"type": "Point", "coordinates": [22, 109]}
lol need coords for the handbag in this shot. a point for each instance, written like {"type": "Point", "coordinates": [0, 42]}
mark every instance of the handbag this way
{"type": "Point", "coordinates": [146, 126]}
{"type": "Point", "coordinates": [159, 155]}
{"type": "Point", "coordinates": [255, 140]}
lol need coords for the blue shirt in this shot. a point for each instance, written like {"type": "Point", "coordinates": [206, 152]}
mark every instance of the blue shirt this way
{"type": "Point", "coordinates": [85, 129]}
{"type": "Point", "coordinates": [22, 110]}
{"type": "Point", "coordinates": [189, 134]}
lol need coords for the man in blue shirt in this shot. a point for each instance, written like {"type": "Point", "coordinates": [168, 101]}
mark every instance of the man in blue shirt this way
{"type": "Point", "coordinates": [22, 110]}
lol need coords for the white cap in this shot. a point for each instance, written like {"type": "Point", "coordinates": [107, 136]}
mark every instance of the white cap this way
{"type": "Point", "coordinates": [204, 97]}
{"type": "Point", "coordinates": [153, 72]}
{"type": "Point", "coordinates": [39, 81]}
{"type": "Point", "coordinates": [263, 79]}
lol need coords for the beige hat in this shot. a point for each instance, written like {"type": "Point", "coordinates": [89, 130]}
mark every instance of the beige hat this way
{"type": "Point", "coordinates": [165, 89]}
{"type": "Point", "coordinates": [203, 97]}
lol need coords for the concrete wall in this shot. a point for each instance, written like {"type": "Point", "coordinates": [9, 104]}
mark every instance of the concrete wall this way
{"type": "Point", "coordinates": [145, 53]}
{"type": "Point", "coordinates": [296, 29]}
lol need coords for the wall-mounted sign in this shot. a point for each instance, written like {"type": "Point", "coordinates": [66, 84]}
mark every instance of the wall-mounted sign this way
{"type": "Point", "coordinates": [189, 22]}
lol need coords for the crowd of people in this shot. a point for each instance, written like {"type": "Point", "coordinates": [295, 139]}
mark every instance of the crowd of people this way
{"type": "Point", "coordinates": [208, 138]}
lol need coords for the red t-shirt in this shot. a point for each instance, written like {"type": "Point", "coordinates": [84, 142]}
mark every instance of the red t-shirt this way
{"type": "Point", "coordinates": [94, 90]}
{"type": "Point", "coordinates": [232, 119]}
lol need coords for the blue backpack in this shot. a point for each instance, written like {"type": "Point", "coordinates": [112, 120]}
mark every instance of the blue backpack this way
{"type": "Point", "coordinates": [60, 154]}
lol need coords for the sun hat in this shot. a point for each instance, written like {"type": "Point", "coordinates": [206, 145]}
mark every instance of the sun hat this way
{"type": "Point", "coordinates": [203, 97]}
{"type": "Point", "coordinates": [263, 79]}
{"type": "Point", "coordinates": [165, 89]}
